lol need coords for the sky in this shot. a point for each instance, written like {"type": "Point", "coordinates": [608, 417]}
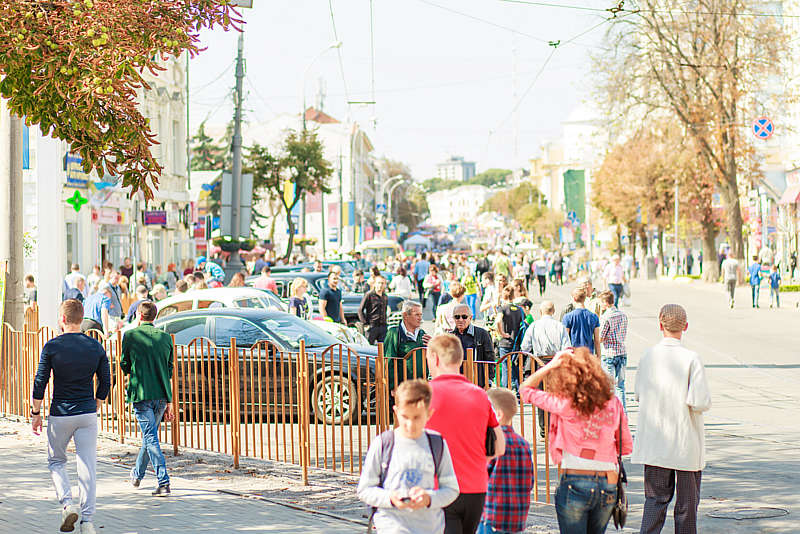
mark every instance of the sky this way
{"type": "Point", "coordinates": [443, 72]}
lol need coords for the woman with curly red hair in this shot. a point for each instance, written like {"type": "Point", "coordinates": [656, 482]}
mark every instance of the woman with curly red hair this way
{"type": "Point", "coordinates": [587, 423]}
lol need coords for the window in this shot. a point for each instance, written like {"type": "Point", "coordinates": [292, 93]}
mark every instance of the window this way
{"type": "Point", "coordinates": [203, 304]}
{"type": "Point", "coordinates": [249, 303]}
{"type": "Point", "coordinates": [290, 330]}
{"type": "Point", "coordinates": [186, 305]}
{"type": "Point", "coordinates": [186, 330]}
{"type": "Point", "coordinates": [246, 333]}
{"type": "Point", "coordinates": [282, 289]}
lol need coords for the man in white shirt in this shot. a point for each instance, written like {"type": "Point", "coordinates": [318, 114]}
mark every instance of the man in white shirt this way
{"type": "Point", "coordinates": [544, 338]}
{"type": "Point", "coordinates": [731, 271]}
{"type": "Point", "coordinates": [673, 393]}
{"type": "Point", "coordinates": [614, 274]}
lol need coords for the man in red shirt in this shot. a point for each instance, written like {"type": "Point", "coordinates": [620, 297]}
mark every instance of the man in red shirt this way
{"type": "Point", "coordinates": [462, 413]}
{"type": "Point", "coordinates": [265, 281]}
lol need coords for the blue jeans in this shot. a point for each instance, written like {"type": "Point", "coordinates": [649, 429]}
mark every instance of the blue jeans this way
{"type": "Point", "coordinates": [472, 302]}
{"type": "Point", "coordinates": [776, 293]}
{"type": "Point", "coordinates": [617, 290]}
{"type": "Point", "coordinates": [755, 290]}
{"type": "Point", "coordinates": [486, 528]}
{"type": "Point", "coordinates": [148, 414]}
{"type": "Point", "coordinates": [615, 366]}
{"type": "Point", "coordinates": [584, 504]}
{"type": "Point", "coordinates": [504, 370]}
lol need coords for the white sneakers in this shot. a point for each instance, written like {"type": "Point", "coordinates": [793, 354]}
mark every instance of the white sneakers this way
{"type": "Point", "coordinates": [88, 528]}
{"type": "Point", "coordinates": [69, 516]}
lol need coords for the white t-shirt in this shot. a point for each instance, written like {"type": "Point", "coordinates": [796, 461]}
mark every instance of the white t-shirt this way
{"type": "Point", "coordinates": [614, 274]}
{"type": "Point", "coordinates": [729, 269]}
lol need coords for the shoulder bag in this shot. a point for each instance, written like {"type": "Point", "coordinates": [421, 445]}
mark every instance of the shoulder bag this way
{"type": "Point", "coordinates": [620, 511]}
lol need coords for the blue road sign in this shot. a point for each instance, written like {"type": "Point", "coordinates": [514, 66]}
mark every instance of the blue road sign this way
{"type": "Point", "coordinates": [763, 128]}
{"type": "Point", "coordinates": [380, 208]}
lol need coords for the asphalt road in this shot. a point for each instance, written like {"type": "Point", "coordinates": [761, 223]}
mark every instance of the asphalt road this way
{"type": "Point", "coordinates": [752, 360]}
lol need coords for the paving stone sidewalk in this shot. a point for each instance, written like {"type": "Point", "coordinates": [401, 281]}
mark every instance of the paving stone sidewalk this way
{"type": "Point", "coordinates": [207, 495]}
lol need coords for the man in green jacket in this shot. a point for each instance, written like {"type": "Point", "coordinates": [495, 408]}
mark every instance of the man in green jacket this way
{"type": "Point", "coordinates": [405, 337]}
{"type": "Point", "coordinates": [147, 357]}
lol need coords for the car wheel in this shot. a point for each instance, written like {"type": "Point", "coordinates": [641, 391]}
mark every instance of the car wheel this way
{"type": "Point", "coordinates": [335, 399]}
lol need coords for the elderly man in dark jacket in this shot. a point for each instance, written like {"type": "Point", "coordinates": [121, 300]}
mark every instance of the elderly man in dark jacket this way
{"type": "Point", "coordinates": [475, 338]}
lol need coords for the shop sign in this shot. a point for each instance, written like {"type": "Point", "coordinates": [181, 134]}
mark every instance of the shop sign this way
{"type": "Point", "coordinates": [73, 166]}
{"type": "Point", "coordinates": [155, 218]}
{"type": "Point", "coordinates": [106, 216]}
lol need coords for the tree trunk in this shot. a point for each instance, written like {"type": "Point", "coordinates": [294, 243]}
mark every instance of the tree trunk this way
{"type": "Point", "coordinates": [619, 239]}
{"type": "Point", "coordinates": [733, 211]}
{"type": "Point", "coordinates": [661, 248]}
{"type": "Point", "coordinates": [290, 243]}
{"type": "Point", "coordinates": [711, 266]}
{"type": "Point", "coordinates": [632, 245]}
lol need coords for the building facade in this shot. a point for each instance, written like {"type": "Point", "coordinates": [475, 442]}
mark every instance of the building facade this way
{"type": "Point", "coordinates": [455, 206]}
{"type": "Point", "coordinates": [73, 217]}
{"type": "Point", "coordinates": [455, 168]}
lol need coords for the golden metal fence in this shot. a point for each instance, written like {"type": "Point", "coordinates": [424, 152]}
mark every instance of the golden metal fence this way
{"type": "Point", "coordinates": [314, 407]}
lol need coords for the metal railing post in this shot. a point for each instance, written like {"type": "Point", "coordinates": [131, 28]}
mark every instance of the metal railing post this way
{"type": "Point", "coordinates": [303, 398]}
{"type": "Point", "coordinates": [175, 415]}
{"type": "Point", "coordinates": [381, 400]}
{"type": "Point", "coordinates": [233, 385]}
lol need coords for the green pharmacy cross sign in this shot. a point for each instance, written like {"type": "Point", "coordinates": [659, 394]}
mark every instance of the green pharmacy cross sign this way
{"type": "Point", "coordinates": [77, 200]}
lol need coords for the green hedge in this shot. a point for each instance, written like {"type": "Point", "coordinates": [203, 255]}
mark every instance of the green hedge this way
{"type": "Point", "coordinates": [790, 288]}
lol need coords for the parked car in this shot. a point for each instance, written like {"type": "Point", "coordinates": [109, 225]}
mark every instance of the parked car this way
{"type": "Point", "coordinates": [345, 334]}
{"type": "Point", "coordinates": [317, 281]}
{"type": "Point", "coordinates": [221, 297]}
{"type": "Point", "coordinates": [334, 383]}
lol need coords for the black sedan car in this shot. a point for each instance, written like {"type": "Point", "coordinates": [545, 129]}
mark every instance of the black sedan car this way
{"type": "Point", "coordinates": [317, 281]}
{"type": "Point", "coordinates": [268, 372]}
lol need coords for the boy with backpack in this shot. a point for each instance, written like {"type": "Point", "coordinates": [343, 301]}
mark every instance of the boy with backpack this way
{"type": "Point", "coordinates": [403, 466]}
{"type": "Point", "coordinates": [511, 480]}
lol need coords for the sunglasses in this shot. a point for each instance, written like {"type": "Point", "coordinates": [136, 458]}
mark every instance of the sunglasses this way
{"type": "Point", "coordinates": [461, 316]}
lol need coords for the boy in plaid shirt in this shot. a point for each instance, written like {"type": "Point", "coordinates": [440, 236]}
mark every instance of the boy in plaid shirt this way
{"type": "Point", "coordinates": [509, 495]}
{"type": "Point", "coordinates": [613, 331]}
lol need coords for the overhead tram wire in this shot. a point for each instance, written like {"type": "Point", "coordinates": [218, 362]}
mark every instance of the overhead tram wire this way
{"type": "Point", "coordinates": [338, 51]}
{"type": "Point", "coordinates": [555, 45]}
{"type": "Point", "coordinates": [658, 11]}
{"type": "Point", "coordinates": [215, 80]}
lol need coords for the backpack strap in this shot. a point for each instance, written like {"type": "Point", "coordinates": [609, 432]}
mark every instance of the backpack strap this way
{"type": "Point", "coordinates": [387, 446]}
{"type": "Point", "coordinates": [436, 443]}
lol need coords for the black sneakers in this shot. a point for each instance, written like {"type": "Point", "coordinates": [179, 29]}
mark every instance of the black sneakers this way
{"type": "Point", "coordinates": [161, 491]}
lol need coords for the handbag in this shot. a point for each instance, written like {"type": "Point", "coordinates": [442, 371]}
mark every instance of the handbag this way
{"type": "Point", "coordinates": [491, 440]}
{"type": "Point", "coordinates": [620, 512]}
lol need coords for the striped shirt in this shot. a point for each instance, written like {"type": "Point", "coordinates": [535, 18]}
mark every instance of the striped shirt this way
{"type": "Point", "coordinates": [613, 331]}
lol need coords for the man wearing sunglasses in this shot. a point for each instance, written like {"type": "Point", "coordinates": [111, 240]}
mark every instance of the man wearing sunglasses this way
{"type": "Point", "coordinates": [476, 338]}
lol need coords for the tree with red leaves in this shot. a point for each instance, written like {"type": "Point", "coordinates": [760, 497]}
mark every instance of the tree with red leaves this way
{"type": "Point", "coordinates": [74, 67]}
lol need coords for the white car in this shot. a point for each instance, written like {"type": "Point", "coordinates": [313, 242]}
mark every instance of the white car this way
{"type": "Point", "coordinates": [221, 297]}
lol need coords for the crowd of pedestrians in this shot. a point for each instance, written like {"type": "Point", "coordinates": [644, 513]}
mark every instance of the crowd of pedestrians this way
{"type": "Point", "coordinates": [454, 462]}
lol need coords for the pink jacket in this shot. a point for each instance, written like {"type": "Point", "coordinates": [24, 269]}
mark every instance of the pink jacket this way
{"type": "Point", "coordinates": [593, 438]}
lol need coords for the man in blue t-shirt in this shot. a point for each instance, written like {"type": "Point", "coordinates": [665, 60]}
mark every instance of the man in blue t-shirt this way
{"type": "Point", "coordinates": [330, 300]}
{"type": "Point", "coordinates": [97, 310]}
{"type": "Point", "coordinates": [583, 326]}
{"type": "Point", "coordinates": [755, 280]}
{"type": "Point", "coordinates": [420, 272]}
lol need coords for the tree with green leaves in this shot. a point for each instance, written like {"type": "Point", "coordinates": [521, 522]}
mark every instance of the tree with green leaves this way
{"type": "Point", "coordinates": [74, 67]}
{"type": "Point", "coordinates": [206, 155]}
{"type": "Point", "coordinates": [298, 168]}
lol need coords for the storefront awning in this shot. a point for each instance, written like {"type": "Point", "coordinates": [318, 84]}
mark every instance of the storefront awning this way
{"type": "Point", "coordinates": [791, 195]}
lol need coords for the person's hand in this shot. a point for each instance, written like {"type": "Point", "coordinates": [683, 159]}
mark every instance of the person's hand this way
{"type": "Point", "coordinates": [98, 403]}
{"type": "Point", "coordinates": [36, 424]}
{"type": "Point", "coordinates": [419, 498]}
{"type": "Point", "coordinates": [558, 359]}
{"type": "Point", "coordinates": [397, 501]}
{"type": "Point", "coordinates": [169, 415]}
{"type": "Point", "coordinates": [425, 339]}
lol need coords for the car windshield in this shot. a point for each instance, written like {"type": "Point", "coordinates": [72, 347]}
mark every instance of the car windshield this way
{"type": "Point", "coordinates": [291, 330]}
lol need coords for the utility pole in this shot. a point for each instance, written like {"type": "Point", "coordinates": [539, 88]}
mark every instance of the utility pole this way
{"type": "Point", "coordinates": [11, 210]}
{"type": "Point", "coordinates": [235, 263]}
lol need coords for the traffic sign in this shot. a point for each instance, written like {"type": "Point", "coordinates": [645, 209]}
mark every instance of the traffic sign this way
{"type": "Point", "coordinates": [380, 208]}
{"type": "Point", "coordinates": [763, 128]}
